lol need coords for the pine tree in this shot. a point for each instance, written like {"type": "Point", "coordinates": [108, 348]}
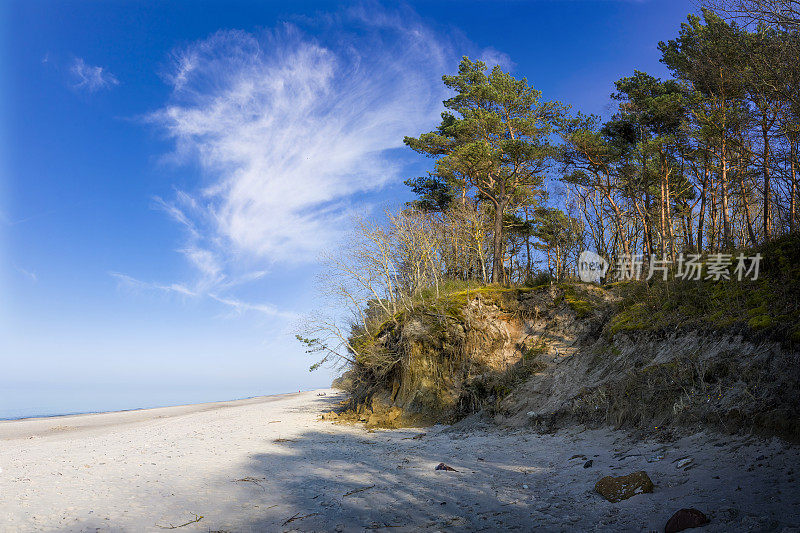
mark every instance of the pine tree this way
{"type": "Point", "coordinates": [494, 136]}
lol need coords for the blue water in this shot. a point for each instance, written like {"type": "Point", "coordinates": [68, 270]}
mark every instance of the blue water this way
{"type": "Point", "coordinates": [24, 401]}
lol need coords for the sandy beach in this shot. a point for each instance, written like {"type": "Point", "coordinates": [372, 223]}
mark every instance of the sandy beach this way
{"type": "Point", "coordinates": [270, 464]}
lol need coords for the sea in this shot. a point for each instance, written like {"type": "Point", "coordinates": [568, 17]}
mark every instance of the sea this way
{"type": "Point", "coordinates": [35, 400]}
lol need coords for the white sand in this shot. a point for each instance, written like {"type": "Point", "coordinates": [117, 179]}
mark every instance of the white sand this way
{"type": "Point", "coordinates": [144, 470]}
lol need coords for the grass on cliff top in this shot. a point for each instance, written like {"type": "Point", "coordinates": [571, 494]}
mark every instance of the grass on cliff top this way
{"type": "Point", "coordinates": [458, 288]}
{"type": "Point", "coordinates": [768, 306]}
{"type": "Point", "coordinates": [454, 295]}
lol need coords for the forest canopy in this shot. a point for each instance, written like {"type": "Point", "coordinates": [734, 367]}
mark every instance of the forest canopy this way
{"type": "Point", "coordinates": [704, 162]}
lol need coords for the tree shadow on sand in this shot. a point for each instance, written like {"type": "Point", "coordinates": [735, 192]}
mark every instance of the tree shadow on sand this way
{"type": "Point", "coordinates": [346, 478]}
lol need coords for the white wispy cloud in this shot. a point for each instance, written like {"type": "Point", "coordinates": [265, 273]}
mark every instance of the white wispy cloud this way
{"type": "Point", "coordinates": [493, 57]}
{"type": "Point", "coordinates": [287, 128]}
{"type": "Point", "coordinates": [28, 274]}
{"type": "Point", "coordinates": [288, 131]}
{"type": "Point", "coordinates": [237, 305]}
{"type": "Point", "coordinates": [240, 307]}
{"type": "Point", "coordinates": [131, 282]}
{"type": "Point", "coordinates": [90, 78]}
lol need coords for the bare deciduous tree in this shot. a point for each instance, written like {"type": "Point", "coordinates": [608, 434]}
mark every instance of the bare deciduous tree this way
{"type": "Point", "coordinates": [784, 14]}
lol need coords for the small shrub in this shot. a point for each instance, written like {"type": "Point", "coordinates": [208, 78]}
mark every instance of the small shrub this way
{"type": "Point", "coordinates": [760, 322]}
{"type": "Point", "coordinates": [540, 278]}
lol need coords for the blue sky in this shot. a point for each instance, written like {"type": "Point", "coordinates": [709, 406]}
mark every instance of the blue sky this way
{"type": "Point", "coordinates": [171, 171]}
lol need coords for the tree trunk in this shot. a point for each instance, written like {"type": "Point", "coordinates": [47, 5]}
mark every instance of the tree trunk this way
{"type": "Point", "coordinates": [663, 219]}
{"type": "Point", "coordinates": [527, 246]}
{"type": "Point", "coordinates": [648, 245]}
{"type": "Point", "coordinates": [702, 216]}
{"type": "Point", "coordinates": [793, 195]}
{"type": "Point", "coordinates": [726, 215]}
{"type": "Point", "coordinates": [748, 219]}
{"type": "Point", "coordinates": [668, 206]}
{"type": "Point", "coordinates": [686, 221]}
{"type": "Point", "coordinates": [765, 164]}
{"type": "Point", "coordinates": [497, 242]}
{"type": "Point", "coordinates": [713, 235]}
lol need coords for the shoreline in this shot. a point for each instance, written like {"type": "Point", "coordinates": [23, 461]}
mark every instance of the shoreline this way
{"type": "Point", "coordinates": [81, 413]}
{"type": "Point", "coordinates": [35, 426]}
